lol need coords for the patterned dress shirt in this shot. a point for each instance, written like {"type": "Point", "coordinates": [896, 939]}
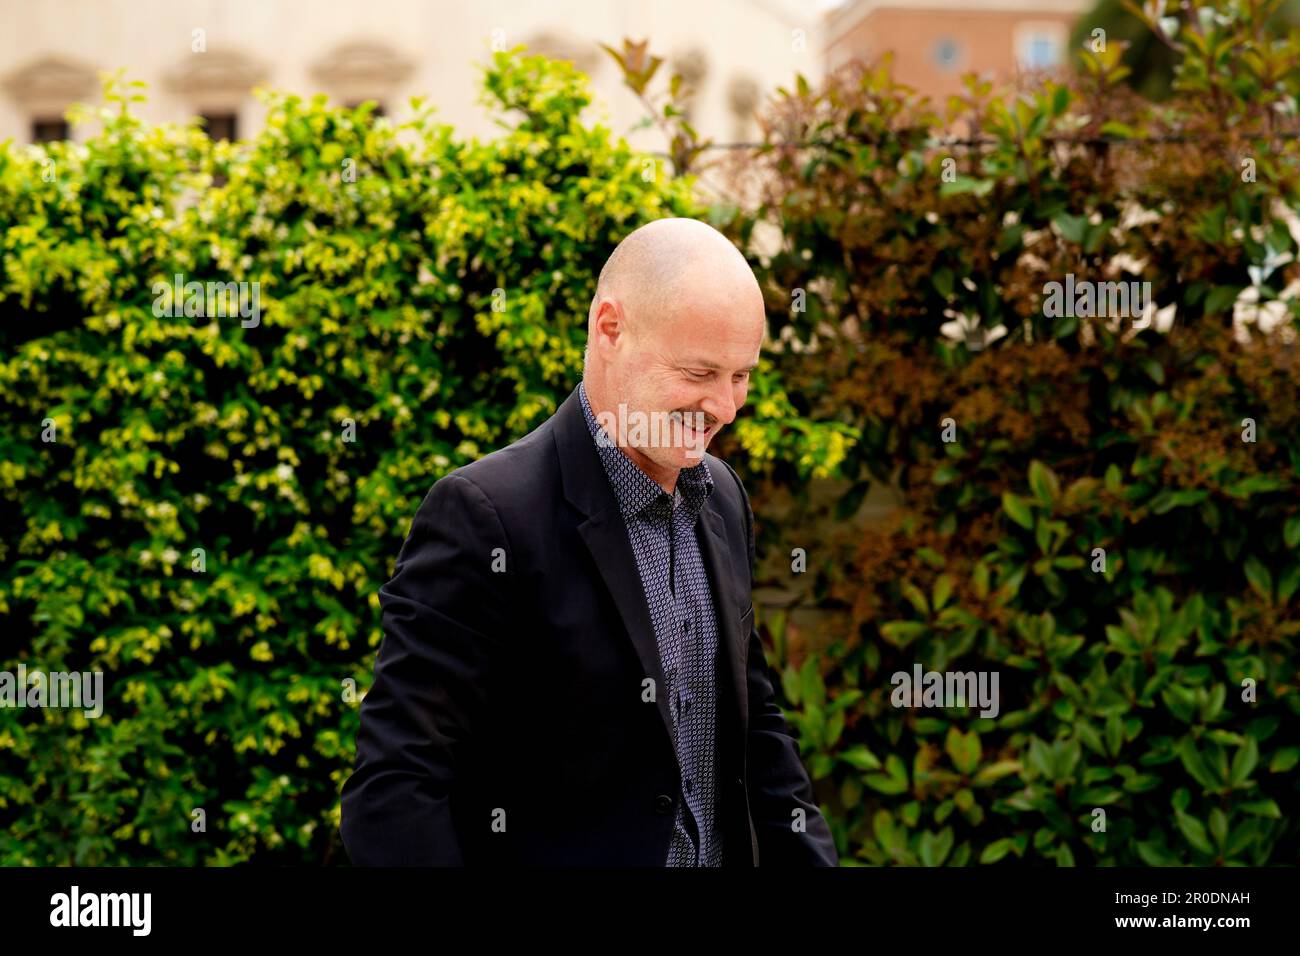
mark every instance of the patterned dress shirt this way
{"type": "Point", "coordinates": [661, 529]}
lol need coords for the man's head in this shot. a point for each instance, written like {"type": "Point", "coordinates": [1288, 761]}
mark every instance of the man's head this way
{"type": "Point", "coordinates": [674, 329]}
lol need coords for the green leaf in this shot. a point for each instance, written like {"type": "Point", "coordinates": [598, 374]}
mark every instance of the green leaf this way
{"type": "Point", "coordinates": [1114, 734]}
{"type": "Point", "coordinates": [1066, 326]}
{"type": "Point", "coordinates": [820, 766]}
{"type": "Point", "coordinates": [1210, 225]}
{"type": "Point", "coordinates": [1262, 808]}
{"type": "Point", "coordinates": [851, 500]}
{"type": "Point", "coordinates": [931, 557]}
{"type": "Point", "coordinates": [1194, 764]}
{"type": "Point", "coordinates": [1221, 299]}
{"type": "Point", "coordinates": [812, 689]}
{"type": "Point", "coordinates": [1194, 831]}
{"type": "Point", "coordinates": [1284, 760]}
{"type": "Point", "coordinates": [966, 184]}
{"type": "Point", "coordinates": [996, 850]}
{"type": "Point", "coordinates": [860, 758]}
{"type": "Point", "coordinates": [1044, 483]}
{"type": "Point", "coordinates": [942, 591]}
{"type": "Point", "coordinates": [911, 812]}
{"type": "Point", "coordinates": [945, 474]}
{"type": "Point", "coordinates": [1288, 583]}
{"type": "Point", "coordinates": [1241, 837]}
{"type": "Point", "coordinates": [1153, 854]}
{"type": "Point", "coordinates": [1060, 99]}
{"type": "Point", "coordinates": [916, 597]}
{"type": "Point", "coordinates": [925, 726]}
{"type": "Point", "coordinates": [902, 633]}
{"type": "Point", "coordinates": [963, 749]}
{"type": "Point", "coordinates": [1041, 760]}
{"type": "Point", "coordinates": [1072, 227]}
{"type": "Point", "coordinates": [943, 845]}
{"type": "Point", "coordinates": [1219, 827]}
{"type": "Point", "coordinates": [1244, 762]}
{"type": "Point", "coordinates": [884, 784]}
{"type": "Point", "coordinates": [1260, 580]}
{"type": "Point", "coordinates": [991, 773]}
{"type": "Point", "coordinates": [791, 685]}
{"type": "Point", "coordinates": [1017, 510]}
{"type": "Point", "coordinates": [893, 781]}
{"type": "Point", "coordinates": [942, 282]}
{"type": "Point", "coordinates": [895, 768]}
{"type": "Point", "coordinates": [834, 728]}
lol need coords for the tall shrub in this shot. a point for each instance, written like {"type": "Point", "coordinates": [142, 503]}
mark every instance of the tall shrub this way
{"type": "Point", "coordinates": [1101, 509]}
{"type": "Point", "coordinates": [202, 505]}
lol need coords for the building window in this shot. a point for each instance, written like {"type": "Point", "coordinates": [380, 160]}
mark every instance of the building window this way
{"type": "Point", "coordinates": [947, 54]}
{"type": "Point", "coordinates": [583, 54]}
{"type": "Point", "coordinates": [364, 70]}
{"type": "Point", "coordinates": [49, 130]}
{"type": "Point", "coordinates": [742, 100]}
{"type": "Point", "coordinates": [220, 126]}
{"type": "Point", "coordinates": [44, 89]}
{"type": "Point", "coordinates": [693, 66]}
{"type": "Point", "coordinates": [1040, 46]}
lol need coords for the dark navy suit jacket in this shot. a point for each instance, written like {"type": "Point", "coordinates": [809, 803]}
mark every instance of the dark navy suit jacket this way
{"type": "Point", "coordinates": [507, 723]}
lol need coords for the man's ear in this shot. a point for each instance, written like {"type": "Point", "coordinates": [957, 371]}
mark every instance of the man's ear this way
{"type": "Point", "coordinates": [608, 320]}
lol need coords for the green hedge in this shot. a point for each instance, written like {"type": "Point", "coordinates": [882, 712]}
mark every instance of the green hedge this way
{"type": "Point", "coordinates": [293, 451]}
{"type": "Point", "coordinates": [1122, 690]}
{"type": "Point", "coordinates": [423, 300]}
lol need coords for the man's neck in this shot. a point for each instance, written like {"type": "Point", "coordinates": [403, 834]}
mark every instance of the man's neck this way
{"type": "Point", "coordinates": [665, 478]}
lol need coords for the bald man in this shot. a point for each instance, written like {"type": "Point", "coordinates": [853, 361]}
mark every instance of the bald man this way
{"type": "Point", "coordinates": [570, 674]}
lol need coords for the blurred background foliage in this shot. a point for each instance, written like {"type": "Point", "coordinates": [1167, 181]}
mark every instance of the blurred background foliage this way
{"type": "Point", "coordinates": [423, 301]}
{"type": "Point", "coordinates": [1123, 685]}
{"type": "Point", "coordinates": [1147, 29]}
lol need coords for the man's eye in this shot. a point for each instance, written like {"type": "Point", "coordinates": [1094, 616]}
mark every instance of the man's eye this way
{"type": "Point", "coordinates": [694, 374]}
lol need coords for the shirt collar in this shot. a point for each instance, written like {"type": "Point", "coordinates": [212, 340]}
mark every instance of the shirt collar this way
{"type": "Point", "coordinates": [634, 489]}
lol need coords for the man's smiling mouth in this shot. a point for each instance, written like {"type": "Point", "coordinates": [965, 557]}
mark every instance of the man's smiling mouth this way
{"type": "Point", "coordinates": [689, 430]}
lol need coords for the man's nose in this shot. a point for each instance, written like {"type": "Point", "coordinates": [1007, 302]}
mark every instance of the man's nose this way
{"type": "Point", "coordinates": [721, 403]}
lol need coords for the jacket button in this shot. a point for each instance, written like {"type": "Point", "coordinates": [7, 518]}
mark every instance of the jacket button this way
{"type": "Point", "coordinates": [663, 803]}
{"type": "Point", "coordinates": [740, 783]}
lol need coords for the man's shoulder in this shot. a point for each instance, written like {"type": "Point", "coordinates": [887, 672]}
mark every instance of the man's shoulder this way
{"type": "Point", "coordinates": [726, 482]}
{"type": "Point", "coordinates": [514, 473]}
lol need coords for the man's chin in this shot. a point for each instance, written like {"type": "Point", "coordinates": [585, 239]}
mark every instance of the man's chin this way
{"type": "Point", "coordinates": [691, 455]}
{"type": "Point", "coordinates": [687, 453]}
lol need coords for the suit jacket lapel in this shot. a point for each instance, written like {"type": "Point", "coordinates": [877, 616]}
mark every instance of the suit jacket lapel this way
{"type": "Point", "coordinates": [606, 538]}
{"type": "Point", "coordinates": [733, 644]}
{"type": "Point", "coordinates": [586, 486]}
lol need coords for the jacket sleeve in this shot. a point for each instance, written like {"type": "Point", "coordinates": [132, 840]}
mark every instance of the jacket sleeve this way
{"type": "Point", "coordinates": [444, 623]}
{"type": "Point", "coordinates": [777, 782]}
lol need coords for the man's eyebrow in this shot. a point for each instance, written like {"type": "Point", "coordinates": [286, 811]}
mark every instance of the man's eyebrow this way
{"type": "Point", "coordinates": [705, 363]}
